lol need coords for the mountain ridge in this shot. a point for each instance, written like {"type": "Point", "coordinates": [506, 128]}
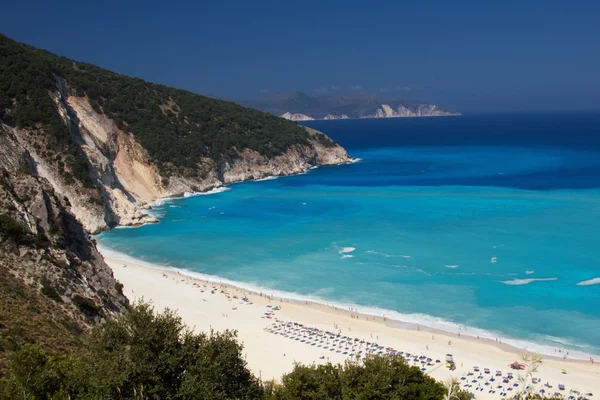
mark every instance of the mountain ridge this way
{"type": "Point", "coordinates": [298, 106]}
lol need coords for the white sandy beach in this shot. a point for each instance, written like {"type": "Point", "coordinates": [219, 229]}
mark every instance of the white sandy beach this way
{"type": "Point", "coordinates": [269, 355]}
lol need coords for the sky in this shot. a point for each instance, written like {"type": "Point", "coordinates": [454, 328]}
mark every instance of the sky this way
{"type": "Point", "coordinates": [467, 55]}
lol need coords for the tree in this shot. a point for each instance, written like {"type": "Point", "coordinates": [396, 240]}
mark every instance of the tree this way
{"type": "Point", "coordinates": [141, 355]}
{"type": "Point", "coordinates": [454, 392]}
{"type": "Point", "coordinates": [532, 362]}
{"type": "Point", "coordinates": [377, 378]}
{"type": "Point", "coordinates": [388, 377]}
{"type": "Point", "coordinates": [156, 354]}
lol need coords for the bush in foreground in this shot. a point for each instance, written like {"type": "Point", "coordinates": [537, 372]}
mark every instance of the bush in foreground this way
{"type": "Point", "coordinates": [148, 355]}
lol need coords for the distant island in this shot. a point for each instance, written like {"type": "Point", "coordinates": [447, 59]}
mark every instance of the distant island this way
{"type": "Point", "coordinates": [298, 106]}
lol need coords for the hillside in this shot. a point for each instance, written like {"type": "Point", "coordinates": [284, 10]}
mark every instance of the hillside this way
{"type": "Point", "coordinates": [298, 106]}
{"type": "Point", "coordinates": [54, 284]}
{"type": "Point", "coordinates": [112, 143]}
{"type": "Point", "coordinates": [83, 149]}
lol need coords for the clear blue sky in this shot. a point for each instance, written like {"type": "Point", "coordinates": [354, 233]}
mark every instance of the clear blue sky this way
{"type": "Point", "coordinates": [470, 55]}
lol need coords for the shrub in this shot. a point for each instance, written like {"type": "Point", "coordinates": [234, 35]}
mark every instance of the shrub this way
{"type": "Point", "coordinates": [87, 306]}
{"type": "Point", "coordinates": [12, 229]}
{"type": "Point", "coordinates": [49, 291]}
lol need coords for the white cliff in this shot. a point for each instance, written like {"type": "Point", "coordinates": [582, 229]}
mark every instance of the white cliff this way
{"type": "Point", "coordinates": [333, 116]}
{"type": "Point", "coordinates": [125, 178]}
{"type": "Point", "coordinates": [296, 117]}
{"type": "Point", "coordinates": [421, 110]}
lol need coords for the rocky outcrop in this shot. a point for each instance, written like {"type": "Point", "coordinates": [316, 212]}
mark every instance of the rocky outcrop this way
{"type": "Point", "coordinates": [332, 116]}
{"type": "Point", "coordinates": [384, 111]}
{"type": "Point", "coordinates": [421, 110]}
{"type": "Point", "coordinates": [43, 244]}
{"type": "Point", "coordinates": [296, 117]}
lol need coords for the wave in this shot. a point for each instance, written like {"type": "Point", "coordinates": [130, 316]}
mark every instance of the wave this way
{"type": "Point", "coordinates": [494, 260]}
{"type": "Point", "coordinates": [519, 282]}
{"type": "Point", "coordinates": [354, 160]}
{"type": "Point", "coordinates": [345, 250]}
{"type": "Point", "coordinates": [220, 189]}
{"type": "Point", "coordinates": [268, 178]}
{"type": "Point", "coordinates": [529, 272]}
{"type": "Point", "coordinates": [387, 255]}
{"type": "Point", "coordinates": [451, 266]}
{"type": "Point", "coordinates": [402, 318]}
{"type": "Point", "coordinates": [594, 281]}
{"type": "Point", "coordinates": [162, 201]}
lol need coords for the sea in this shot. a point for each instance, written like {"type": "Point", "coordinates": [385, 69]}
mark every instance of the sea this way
{"type": "Point", "coordinates": [487, 224]}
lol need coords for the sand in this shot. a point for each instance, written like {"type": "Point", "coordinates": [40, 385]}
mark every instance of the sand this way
{"type": "Point", "coordinates": [269, 356]}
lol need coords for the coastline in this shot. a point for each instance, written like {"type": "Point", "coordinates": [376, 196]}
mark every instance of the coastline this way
{"type": "Point", "coordinates": [178, 289]}
{"type": "Point", "coordinates": [147, 208]}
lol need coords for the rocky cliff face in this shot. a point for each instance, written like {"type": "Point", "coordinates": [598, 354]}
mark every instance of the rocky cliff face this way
{"type": "Point", "coordinates": [296, 117]}
{"type": "Point", "coordinates": [125, 177]}
{"type": "Point", "coordinates": [384, 111]}
{"type": "Point", "coordinates": [43, 244]}
{"type": "Point", "coordinates": [421, 110]}
{"type": "Point", "coordinates": [54, 284]}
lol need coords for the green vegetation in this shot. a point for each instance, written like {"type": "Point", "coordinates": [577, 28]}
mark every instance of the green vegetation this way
{"type": "Point", "coordinates": [378, 377]}
{"type": "Point", "coordinates": [27, 317]}
{"type": "Point", "coordinates": [49, 291]}
{"type": "Point", "coordinates": [145, 355]}
{"type": "Point", "coordinates": [11, 228]}
{"type": "Point", "coordinates": [87, 306]}
{"type": "Point", "coordinates": [175, 126]}
{"type": "Point", "coordinates": [26, 81]}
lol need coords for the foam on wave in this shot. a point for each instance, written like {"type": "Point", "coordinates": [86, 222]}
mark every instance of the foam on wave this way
{"type": "Point", "coordinates": [452, 266]}
{"type": "Point", "coordinates": [402, 318]}
{"type": "Point", "coordinates": [268, 178]}
{"type": "Point", "coordinates": [211, 191]}
{"type": "Point", "coordinates": [519, 282]}
{"type": "Point", "coordinates": [387, 255]}
{"type": "Point", "coordinates": [594, 281]}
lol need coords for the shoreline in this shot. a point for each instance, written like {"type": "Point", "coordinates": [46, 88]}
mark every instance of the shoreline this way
{"type": "Point", "coordinates": [269, 356]}
{"type": "Point", "coordinates": [369, 313]}
{"type": "Point", "coordinates": [147, 207]}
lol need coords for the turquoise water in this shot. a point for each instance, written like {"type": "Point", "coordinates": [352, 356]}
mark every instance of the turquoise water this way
{"type": "Point", "coordinates": [497, 237]}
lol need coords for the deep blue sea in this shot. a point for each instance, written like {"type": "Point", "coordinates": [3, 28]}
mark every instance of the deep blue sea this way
{"type": "Point", "coordinates": [488, 222]}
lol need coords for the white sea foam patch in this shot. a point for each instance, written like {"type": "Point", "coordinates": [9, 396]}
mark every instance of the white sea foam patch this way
{"type": "Point", "coordinates": [451, 266]}
{"type": "Point", "coordinates": [355, 160]}
{"type": "Point", "coordinates": [387, 255]}
{"type": "Point", "coordinates": [595, 281]}
{"type": "Point", "coordinates": [415, 319]}
{"type": "Point", "coordinates": [518, 282]}
{"type": "Point", "coordinates": [494, 260]}
{"type": "Point", "coordinates": [211, 191]}
{"type": "Point", "coordinates": [344, 252]}
{"type": "Point", "coordinates": [268, 178]}
{"type": "Point", "coordinates": [162, 201]}
{"type": "Point", "coordinates": [529, 272]}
